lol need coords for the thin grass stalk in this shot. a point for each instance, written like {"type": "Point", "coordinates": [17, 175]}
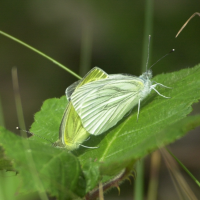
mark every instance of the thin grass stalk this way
{"type": "Point", "coordinates": [26, 145]}
{"type": "Point", "coordinates": [183, 166]}
{"type": "Point", "coordinates": [40, 53]}
{"type": "Point", "coordinates": [2, 122]}
{"type": "Point", "coordinates": [3, 184]}
{"type": "Point", "coordinates": [148, 30]}
{"type": "Point", "coordinates": [86, 49]}
{"type": "Point", "coordinates": [180, 184]}
{"type": "Point", "coordinates": [148, 24]}
{"type": "Point", "coordinates": [139, 181]}
{"type": "Point", "coordinates": [101, 196]}
{"type": "Point", "coordinates": [154, 176]}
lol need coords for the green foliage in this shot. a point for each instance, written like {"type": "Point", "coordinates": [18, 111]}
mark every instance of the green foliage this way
{"type": "Point", "coordinates": [5, 163]}
{"type": "Point", "coordinates": [58, 169]}
{"type": "Point", "coordinates": [73, 174]}
{"type": "Point", "coordinates": [49, 116]}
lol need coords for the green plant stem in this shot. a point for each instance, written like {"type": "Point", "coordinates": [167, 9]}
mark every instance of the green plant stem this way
{"type": "Point", "coordinates": [186, 170]}
{"type": "Point", "coordinates": [2, 123]}
{"type": "Point", "coordinates": [148, 26]}
{"type": "Point", "coordinates": [40, 53]}
{"type": "Point", "coordinates": [139, 181]}
{"type": "Point", "coordinates": [183, 189]}
{"type": "Point", "coordinates": [154, 176]}
{"type": "Point", "coordinates": [18, 103]}
{"type": "Point", "coordinates": [20, 116]}
{"type": "Point", "coordinates": [86, 49]}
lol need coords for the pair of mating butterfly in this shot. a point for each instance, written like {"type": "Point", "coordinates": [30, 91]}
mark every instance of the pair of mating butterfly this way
{"type": "Point", "coordinates": [98, 102]}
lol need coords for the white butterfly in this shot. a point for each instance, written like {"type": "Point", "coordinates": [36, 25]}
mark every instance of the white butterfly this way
{"type": "Point", "coordinates": [102, 103]}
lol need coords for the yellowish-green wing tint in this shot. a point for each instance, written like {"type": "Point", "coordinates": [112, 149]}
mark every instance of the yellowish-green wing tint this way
{"type": "Point", "coordinates": [72, 132]}
{"type": "Point", "coordinates": [93, 75]}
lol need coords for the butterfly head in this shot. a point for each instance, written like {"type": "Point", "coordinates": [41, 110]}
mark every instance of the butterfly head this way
{"type": "Point", "coordinates": [147, 75]}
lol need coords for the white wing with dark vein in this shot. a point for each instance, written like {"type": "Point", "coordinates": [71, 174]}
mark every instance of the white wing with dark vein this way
{"type": "Point", "coordinates": [101, 104]}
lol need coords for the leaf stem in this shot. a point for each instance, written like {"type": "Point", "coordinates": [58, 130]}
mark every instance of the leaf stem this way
{"type": "Point", "coordinates": [40, 53]}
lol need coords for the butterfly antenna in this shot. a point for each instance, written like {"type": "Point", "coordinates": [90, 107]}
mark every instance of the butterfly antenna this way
{"type": "Point", "coordinates": [148, 52]}
{"type": "Point", "coordinates": [28, 132]}
{"type": "Point", "coordinates": [162, 58]}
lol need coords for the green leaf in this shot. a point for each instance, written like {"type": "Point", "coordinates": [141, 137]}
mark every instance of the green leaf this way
{"type": "Point", "coordinates": [55, 170]}
{"type": "Point", "coordinates": [161, 122]}
{"type": "Point", "coordinates": [92, 174]}
{"type": "Point", "coordinates": [5, 163]}
{"type": "Point", "coordinates": [153, 142]}
{"type": "Point", "coordinates": [48, 119]}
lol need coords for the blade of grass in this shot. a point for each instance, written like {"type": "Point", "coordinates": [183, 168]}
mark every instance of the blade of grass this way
{"type": "Point", "coordinates": [180, 184]}
{"type": "Point", "coordinates": [184, 25]}
{"type": "Point", "coordinates": [2, 173]}
{"type": "Point", "coordinates": [86, 49]}
{"type": "Point", "coordinates": [139, 181]}
{"type": "Point", "coordinates": [17, 96]}
{"type": "Point", "coordinates": [29, 157]}
{"type": "Point", "coordinates": [153, 183]}
{"type": "Point", "coordinates": [183, 166]}
{"type": "Point", "coordinates": [40, 53]}
{"type": "Point", "coordinates": [148, 24]}
{"type": "Point", "coordinates": [2, 123]}
{"type": "Point", "coordinates": [8, 184]}
{"type": "Point", "coordinates": [101, 196]}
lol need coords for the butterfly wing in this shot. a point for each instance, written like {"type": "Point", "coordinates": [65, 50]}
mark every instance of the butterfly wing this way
{"type": "Point", "coordinates": [101, 104]}
{"type": "Point", "coordinates": [71, 89]}
{"type": "Point", "coordinates": [94, 74]}
{"type": "Point", "coordinates": [72, 133]}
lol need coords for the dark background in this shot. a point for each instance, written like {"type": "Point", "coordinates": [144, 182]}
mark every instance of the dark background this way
{"type": "Point", "coordinates": [116, 32]}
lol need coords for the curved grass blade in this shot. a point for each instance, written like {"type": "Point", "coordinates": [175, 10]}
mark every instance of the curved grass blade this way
{"type": "Point", "coordinates": [185, 24]}
{"type": "Point", "coordinates": [40, 53]}
{"type": "Point", "coordinates": [185, 168]}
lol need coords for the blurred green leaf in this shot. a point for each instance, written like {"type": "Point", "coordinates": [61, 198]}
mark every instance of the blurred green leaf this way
{"type": "Point", "coordinates": [58, 170]}
{"type": "Point", "coordinates": [5, 163]}
{"type": "Point", "coordinates": [92, 174]}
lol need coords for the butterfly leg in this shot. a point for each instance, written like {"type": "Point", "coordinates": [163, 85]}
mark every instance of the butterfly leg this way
{"type": "Point", "coordinates": [88, 147]}
{"type": "Point", "coordinates": [159, 92]}
{"type": "Point", "coordinates": [162, 85]}
{"type": "Point", "coordinates": [138, 109]}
